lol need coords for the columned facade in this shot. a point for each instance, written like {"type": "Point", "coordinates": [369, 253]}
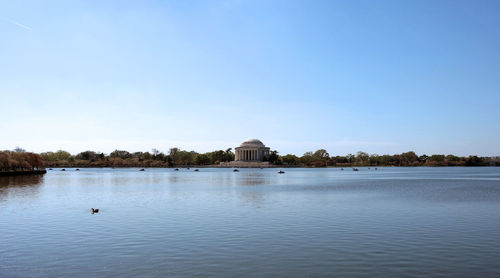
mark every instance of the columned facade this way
{"type": "Point", "coordinates": [251, 150]}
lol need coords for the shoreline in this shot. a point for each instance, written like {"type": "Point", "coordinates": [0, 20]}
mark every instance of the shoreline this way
{"type": "Point", "coordinates": [269, 166]}
{"type": "Point", "coordinates": [22, 173]}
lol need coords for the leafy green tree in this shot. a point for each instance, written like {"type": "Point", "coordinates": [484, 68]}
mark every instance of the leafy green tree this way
{"type": "Point", "coordinates": [475, 161]}
{"type": "Point", "coordinates": [423, 158]}
{"type": "Point", "coordinates": [452, 158]}
{"type": "Point", "coordinates": [290, 159]}
{"type": "Point", "coordinates": [350, 158]}
{"type": "Point", "coordinates": [202, 159]}
{"type": "Point", "coordinates": [437, 157]}
{"type": "Point", "coordinates": [120, 154]}
{"type": "Point", "coordinates": [409, 158]}
{"type": "Point", "coordinates": [374, 159]}
{"type": "Point", "coordinates": [59, 155]}
{"type": "Point", "coordinates": [217, 156]}
{"type": "Point", "coordinates": [173, 155]}
{"type": "Point", "coordinates": [185, 157]}
{"type": "Point", "coordinates": [273, 157]}
{"type": "Point", "coordinates": [228, 155]}
{"type": "Point", "coordinates": [321, 154]}
{"type": "Point", "coordinates": [87, 155]}
{"type": "Point", "coordinates": [362, 158]}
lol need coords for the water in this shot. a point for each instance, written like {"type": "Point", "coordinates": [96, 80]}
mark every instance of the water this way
{"type": "Point", "coordinates": [409, 222]}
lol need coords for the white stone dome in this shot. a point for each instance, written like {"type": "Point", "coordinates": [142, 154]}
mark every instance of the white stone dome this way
{"type": "Point", "coordinates": [252, 143]}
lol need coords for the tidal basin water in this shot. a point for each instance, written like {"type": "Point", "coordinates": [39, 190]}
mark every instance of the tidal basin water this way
{"type": "Point", "coordinates": [410, 222]}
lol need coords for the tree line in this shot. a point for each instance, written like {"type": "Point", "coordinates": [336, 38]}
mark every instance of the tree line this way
{"type": "Point", "coordinates": [21, 160]}
{"type": "Point", "coordinates": [321, 158]}
{"type": "Point", "coordinates": [122, 158]}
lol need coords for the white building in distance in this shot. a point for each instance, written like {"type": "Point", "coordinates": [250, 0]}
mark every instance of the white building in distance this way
{"type": "Point", "coordinates": [251, 150]}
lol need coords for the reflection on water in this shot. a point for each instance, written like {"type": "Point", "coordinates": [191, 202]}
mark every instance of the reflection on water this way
{"type": "Point", "coordinates": [21, 180]}
{"type": "Point", "coordinates": [20, 185]}
{"type": "Point", "coordinates": [254, 223]}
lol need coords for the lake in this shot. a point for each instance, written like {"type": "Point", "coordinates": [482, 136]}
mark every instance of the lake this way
{"type": "Point", "coordinates": [409, 222]}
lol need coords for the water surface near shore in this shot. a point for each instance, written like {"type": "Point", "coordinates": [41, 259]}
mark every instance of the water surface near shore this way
{"type": "Point", "coordinates": [253, 223]}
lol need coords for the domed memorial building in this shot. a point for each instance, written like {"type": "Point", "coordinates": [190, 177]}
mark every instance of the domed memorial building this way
{"type": "Point", "coordinates": [251, 150]}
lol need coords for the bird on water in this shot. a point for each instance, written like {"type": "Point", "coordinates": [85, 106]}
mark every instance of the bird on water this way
{"type": "Point", "coordinates": [95, 210]}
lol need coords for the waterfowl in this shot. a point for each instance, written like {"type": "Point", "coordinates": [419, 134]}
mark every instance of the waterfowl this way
{"type": "Point", "coordinates": [142, 169]}
{"type": "Point", "coordinates": [376, 168]}
{"type": "Point", "coordinates": [63, 169]}
{"type": "Point", "coordinates": [281, 172]}
{"type": "Point", "coordinates": [176, 169]}
{"type": "Point", "coordinates": [236, 170]}
{"type": "Point", "coordinates": [355, 169]}
{"type": "Point", "coordinates": [95, 210]}
{"type": "Point", "coordinates": [77, 169]}
{"type": "Point", "coordinates": [50, 168]}
{"type": "Point", "coordinates": [341, 169]}
{"type": "Point", "coordinates": [196, 170]}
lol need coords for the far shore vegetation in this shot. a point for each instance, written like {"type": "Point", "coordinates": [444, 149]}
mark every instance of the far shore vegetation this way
{"type": "Point", "coordinates": [20, 160]}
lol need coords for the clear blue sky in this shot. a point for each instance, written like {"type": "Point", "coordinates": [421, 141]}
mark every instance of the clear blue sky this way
{"type": "Point", "coordinates": [376, 76]}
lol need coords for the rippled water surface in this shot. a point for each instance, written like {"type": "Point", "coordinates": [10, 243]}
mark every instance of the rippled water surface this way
{"type": "Point", "coordinates": [410, 222]}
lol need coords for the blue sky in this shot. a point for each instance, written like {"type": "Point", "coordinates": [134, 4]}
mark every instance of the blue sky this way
{"type": "Point", "coordinates": [347, 76]}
